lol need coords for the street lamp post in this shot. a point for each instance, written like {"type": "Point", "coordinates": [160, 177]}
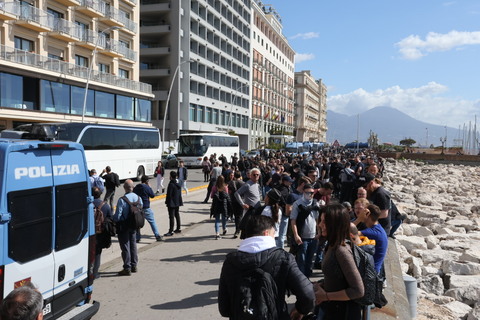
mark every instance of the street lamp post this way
{"type": "Point", "coordinates": [168, 100]}
{"type": "Point", "coordinates": [89, 72]}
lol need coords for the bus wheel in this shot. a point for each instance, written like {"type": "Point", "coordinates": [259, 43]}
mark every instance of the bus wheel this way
{"type": "Point", "coordinates": [140, 173]}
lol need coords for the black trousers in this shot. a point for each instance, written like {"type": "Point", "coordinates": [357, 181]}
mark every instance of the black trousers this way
{"type": "Point", "coordinates": [174, 214]}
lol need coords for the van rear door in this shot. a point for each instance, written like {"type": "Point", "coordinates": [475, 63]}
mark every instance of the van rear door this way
{"type": "Point", "coordinates": [71, 236]}
{"type": "Point", "coordinates": [28, 186]}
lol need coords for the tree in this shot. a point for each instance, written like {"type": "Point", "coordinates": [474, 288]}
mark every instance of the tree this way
{"type": "Point", "coordinates": [407, 142]}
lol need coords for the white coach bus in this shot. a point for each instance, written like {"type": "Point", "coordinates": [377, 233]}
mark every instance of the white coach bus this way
{"type": "Point", "coordinates": [130, 151]}
{"type": "Point", "coordinates": [193, 147]}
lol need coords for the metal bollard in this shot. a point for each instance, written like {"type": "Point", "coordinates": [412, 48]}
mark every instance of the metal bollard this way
{"type": "Point", "coordinates": [411, 288]}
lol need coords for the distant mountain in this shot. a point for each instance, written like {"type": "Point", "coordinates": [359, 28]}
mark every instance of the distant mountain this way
{"type": "Point", "coordinates": [390, 125]}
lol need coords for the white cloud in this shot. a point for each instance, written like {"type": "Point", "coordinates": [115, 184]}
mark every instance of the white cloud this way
{"type": "Point", "coordinates": [306, 36]}
{"type": "Point", "coordinates": [413, 47]}
{"type": "Point", "coordinates": [425, 103]}
{"type": "Point", "coordinates": [300, 57]}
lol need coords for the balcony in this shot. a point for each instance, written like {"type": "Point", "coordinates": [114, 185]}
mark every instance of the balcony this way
{"type": "Point", "coordinates": [109, 47]}
{"type": "Point", "coordinates": [9, 54]}
{"type": "Point", "coordinates": [131, 2]}
{"type": "Point", "coordinates": [65, 30]}
{"type": "Point", "coordinates": [153, 29]}
{"type": "Point", "coordinates": [87, 38]}
{"type": "Point", "coordinates": [154, 6]}
{"type": "Point", "coordinates": [153, 50]}
{"type": "Point", "coordinates": [129, 25]}
{"type": "Point", "coordinates": [92, 8]}
{"type": "Point", "coordinates": [35, 19]}
{"type": "Point", "coordinates": [112, 17]}
{"type": "Point", "coordinates": [69, 3]}
{"type": "Point", "coordinates": [127, 53]}
{"type": "Point", "coordinates": [9, 10]}
{"type": "Point", "coordinates": [153, 70]}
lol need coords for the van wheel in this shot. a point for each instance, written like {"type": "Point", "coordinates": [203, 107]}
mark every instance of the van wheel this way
{"type": "Point", "coordinates": [140, 173]}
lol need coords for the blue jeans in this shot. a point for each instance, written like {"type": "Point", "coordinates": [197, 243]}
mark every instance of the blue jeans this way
{"type": "Point", "coordinates": [305, 256]}
{"type": "Point", "coordinates": [320, 250]}
{"type": "Point", "coordinates": [217, 222]}
{"type": "Point", "coordinates": [150, 217]}
{"type": "Point", "coordinates": [282, 232]}
{"type": "Point", "coordinates": [183, 184]}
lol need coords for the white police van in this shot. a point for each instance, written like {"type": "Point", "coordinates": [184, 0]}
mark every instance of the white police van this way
{"type": "Point", "coordinates": [47, 225]}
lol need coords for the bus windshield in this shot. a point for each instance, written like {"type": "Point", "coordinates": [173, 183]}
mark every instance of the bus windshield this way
{"type": "Point", "coordinates": [190, 146]}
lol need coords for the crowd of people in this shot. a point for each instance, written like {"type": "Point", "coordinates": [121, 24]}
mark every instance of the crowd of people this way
{"type": "Point", "coordinates": [319, 206]}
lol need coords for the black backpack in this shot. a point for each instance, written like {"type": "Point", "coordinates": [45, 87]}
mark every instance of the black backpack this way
{"type": "Point", "coordinates": [256, 294]}
{"type": "Point", "coordinates": [136, 216]}
{"type": "Point", "coordinates": [371, 282]}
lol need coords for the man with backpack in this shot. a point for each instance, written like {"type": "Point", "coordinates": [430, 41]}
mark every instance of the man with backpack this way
{"type": "Point", "coordinates": [103, 239]}
{"type": "Point", "coordinates": [96, 180]}
{"type": "Point", "coordinates": [254, 279]}
{"type": "Point", "coordinates": [126, 229]}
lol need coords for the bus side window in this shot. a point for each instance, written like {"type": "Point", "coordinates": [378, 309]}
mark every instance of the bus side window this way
{"type": "Point", "coordinates": [71, 216]}
{"type": "Point", "coordinates": [30, 229]}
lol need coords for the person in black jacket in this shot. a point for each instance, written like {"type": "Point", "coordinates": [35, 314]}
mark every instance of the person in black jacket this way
{"type": "Point", "coordinates": [111, 183]}
{"type": "Point", "coordinates": [173, 202]}
{"type": "Point", "coordinates": [257, 250]}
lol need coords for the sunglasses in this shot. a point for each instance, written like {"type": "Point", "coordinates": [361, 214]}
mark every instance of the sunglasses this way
{"type": "Point", "coordinates": [255, 174]}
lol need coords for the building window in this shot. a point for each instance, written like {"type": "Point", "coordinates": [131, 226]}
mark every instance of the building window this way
{"type": "Point", "coordinates": [200, 114]}
{"type": "Point", "coordinates": [143, 110]}
{"type": "Point", "coordinates": [208, 115]}
{"type": "Point", "coordinates": [193, 113]}
{"type": "Point", "coordinates": [104, 104]}
{"type": "Point", "coordinates": [55, 96]}
{"type": "Point", "coordinates": [24, 44]}
{"type": "Point", "coordinates": [122, 73]}
{"type": "Point", "coordinates": [81, 61]}
{"type": "Point", "coordinates": [102, 67]}
{"type": "Point", "coordinates": [124, 108]}
{"type": "Point", "coordinates": [77, 96]}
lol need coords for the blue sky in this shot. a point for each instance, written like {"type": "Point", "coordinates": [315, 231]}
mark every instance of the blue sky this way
{"type": "Point", "coordinates": [421, 57]}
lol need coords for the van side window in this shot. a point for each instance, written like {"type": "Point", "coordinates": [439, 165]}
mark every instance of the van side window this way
{"type": "Point", "coordinates": [30, 229]}
{"type": "Point", "coordinates": [71, 216]}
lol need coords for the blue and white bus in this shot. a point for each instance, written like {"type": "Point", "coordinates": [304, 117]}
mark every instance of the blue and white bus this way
{"type": "Point", "coordinates": [47, 225]}
{"type": "Point", "coordinates": [193, 147]}
{"type": "Point", "coordinates": [131, 152]}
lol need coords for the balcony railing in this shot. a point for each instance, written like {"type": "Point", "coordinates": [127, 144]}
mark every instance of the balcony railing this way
{"type": "Point", "coordinates": [98, 6]}
{"type": "Point", "coordinates": [33, 14]}
{"type": "Point", "coordinates": [10, 7]}
{"type": "Point", "coordinates": [55, 65]}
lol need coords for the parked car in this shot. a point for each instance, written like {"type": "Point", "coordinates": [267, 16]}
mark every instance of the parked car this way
{"type": "Point", "coordinates": [252, 154]}
{"type": "Point", "coordinates": [169, 161]}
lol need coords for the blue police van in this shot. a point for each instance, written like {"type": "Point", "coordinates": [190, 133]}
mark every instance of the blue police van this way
{"type": "Point", "coordinates": [47, 225]}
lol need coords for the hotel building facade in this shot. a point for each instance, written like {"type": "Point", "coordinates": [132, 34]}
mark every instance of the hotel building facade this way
{"type": "Point", "coordinates": [51, 51]}
{"type": "Point", "coordinates": [311, 108]}
{"type": "Point", "coordinates": [273, 113]}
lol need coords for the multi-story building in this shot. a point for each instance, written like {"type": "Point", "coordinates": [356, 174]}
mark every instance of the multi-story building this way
{"type": "Point", "coordinates": [196, 55]}
{"type": "Point", "coordinates": [51, 51]}
{"type": "Point", "coordinates": [311, 108]}
{"type": "Point", "coordinates": [272, 119]}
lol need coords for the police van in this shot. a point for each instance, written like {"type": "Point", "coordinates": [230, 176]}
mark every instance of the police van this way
{"type": "Point", "coordinates": [47, 225]}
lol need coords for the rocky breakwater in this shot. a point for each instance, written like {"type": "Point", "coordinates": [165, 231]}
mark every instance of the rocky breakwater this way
{"type": "Point", "coordinates": [439, 241]}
